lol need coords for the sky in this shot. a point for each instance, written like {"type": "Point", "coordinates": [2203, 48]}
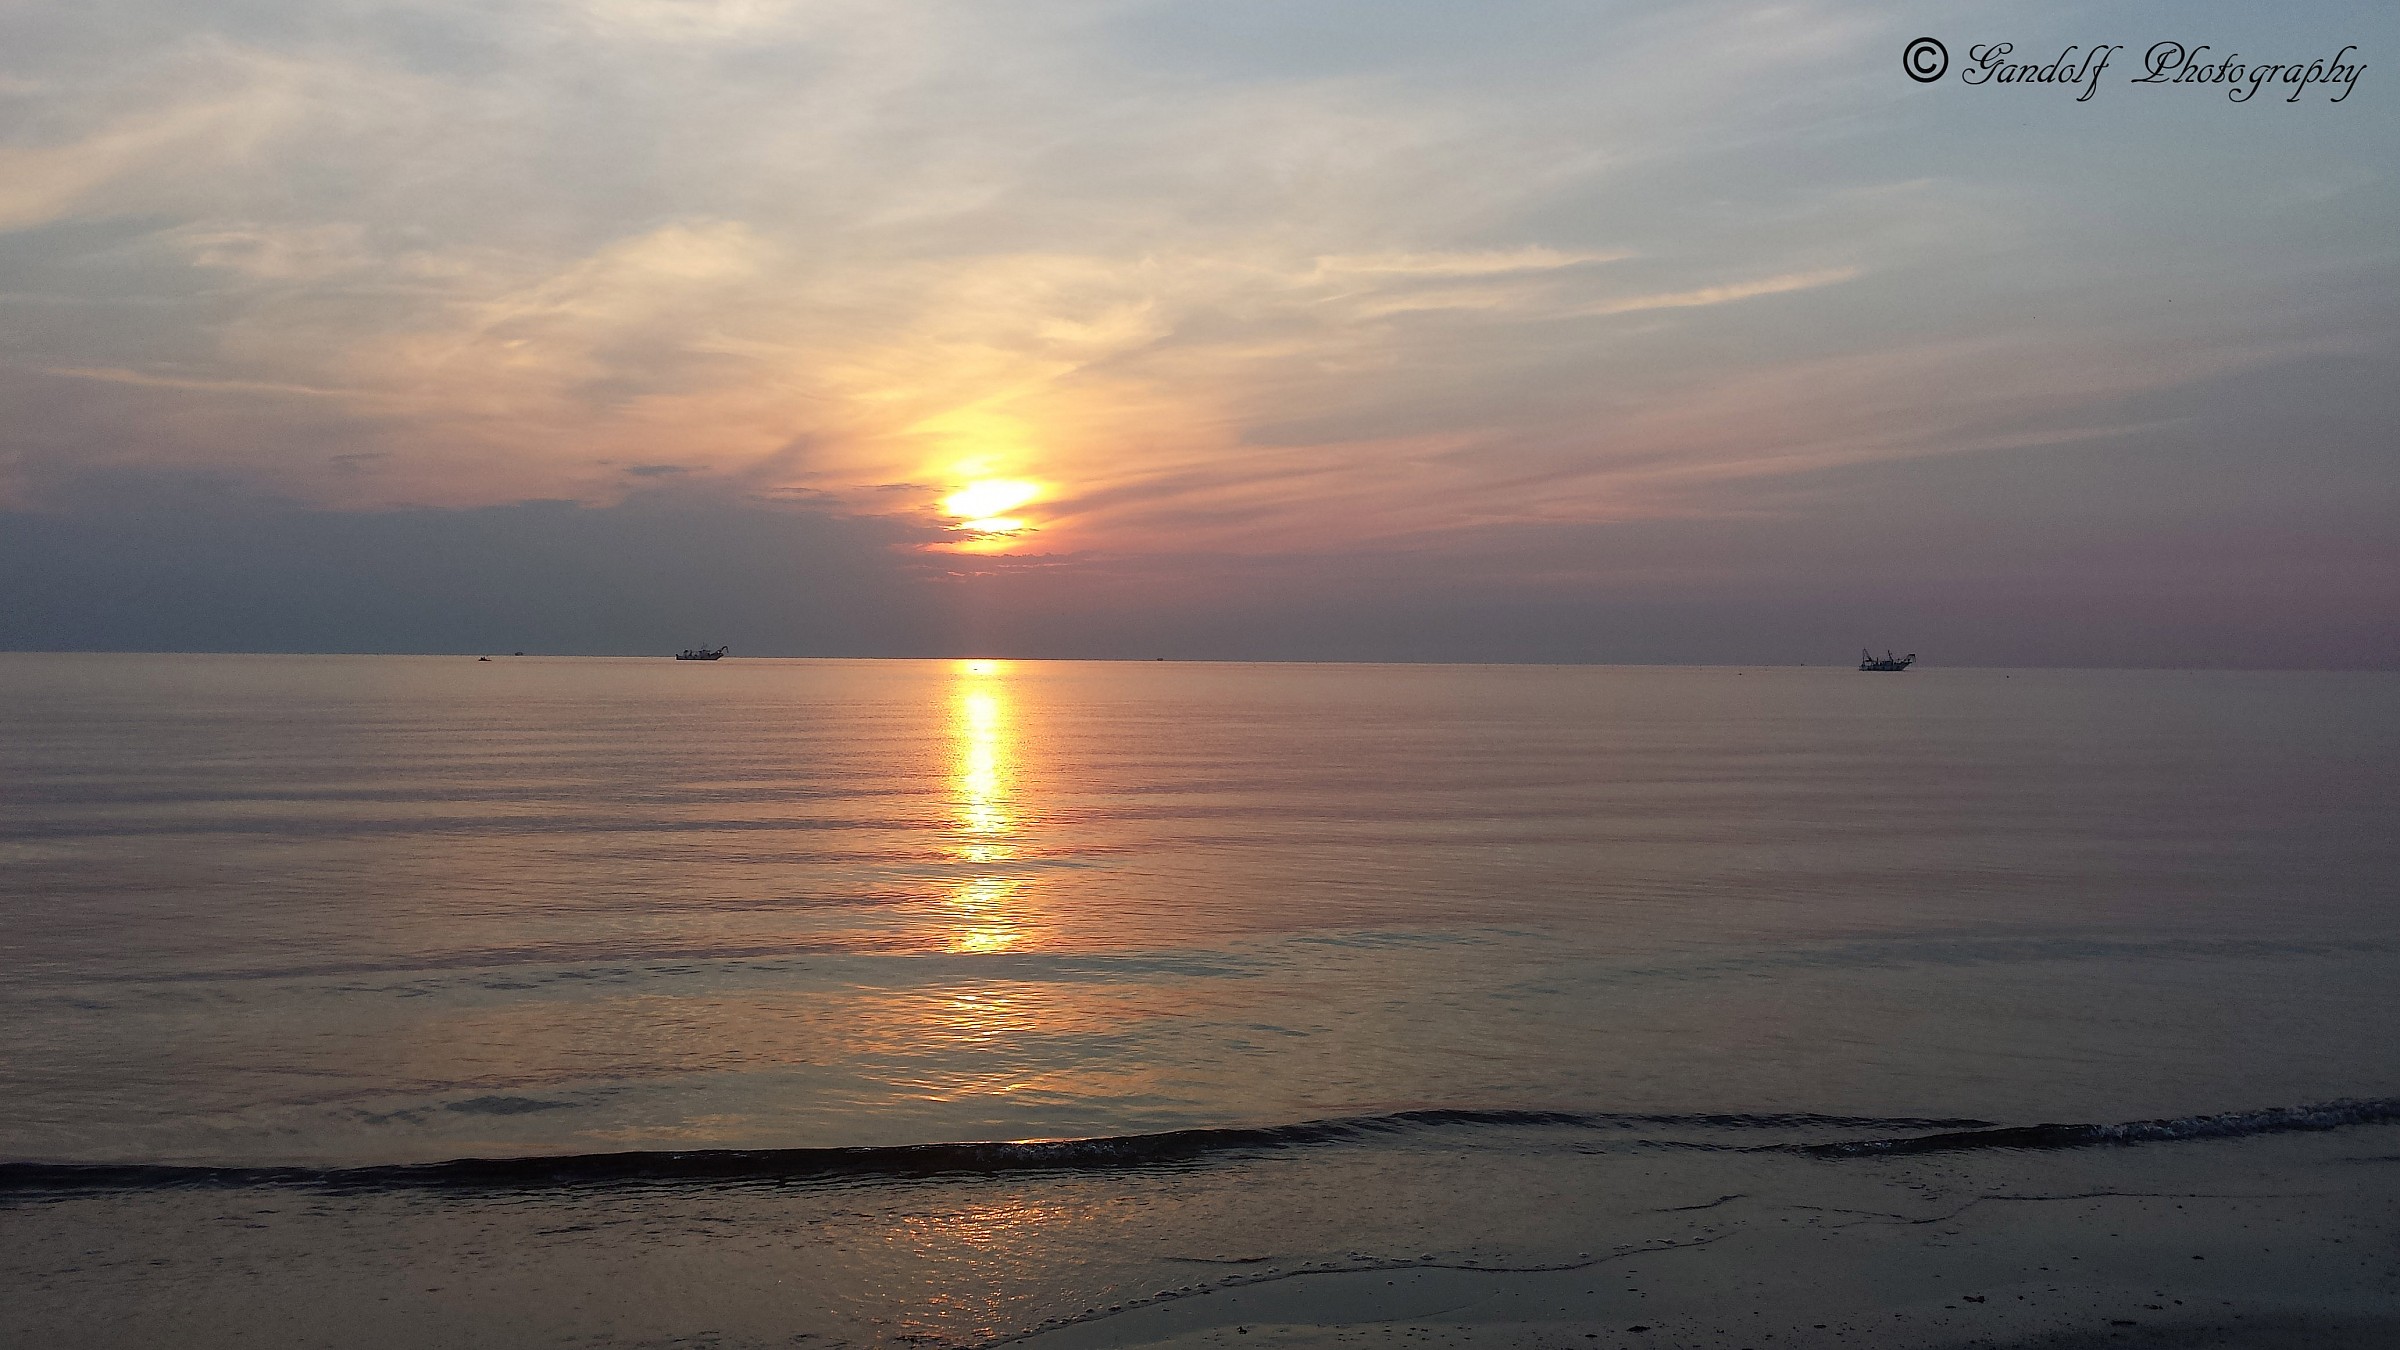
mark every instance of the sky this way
{"type": "Point", "coordinates": [1520, 330]}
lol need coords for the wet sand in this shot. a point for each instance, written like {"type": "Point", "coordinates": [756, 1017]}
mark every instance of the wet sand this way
{"type": "Point", "coordinates": [2036, 1271]}
{"type": "Point", "coordinates": [2284, 1241]}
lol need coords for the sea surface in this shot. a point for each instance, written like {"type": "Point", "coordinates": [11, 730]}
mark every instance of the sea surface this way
{"type": "Point", "coordinates": [844, 930]}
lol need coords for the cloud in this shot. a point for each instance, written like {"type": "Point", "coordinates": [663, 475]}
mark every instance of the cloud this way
{"type": "Point", "coordinates": [1457, 264]}
{"type": "Point", "coordinates": [196, 384]}
{"type": "Point", "coordinates": [146, 561]}
{"type": "Point", "coordinates": [1275, 280]}
{"type": "Point", "coordinates": [1720, 295]}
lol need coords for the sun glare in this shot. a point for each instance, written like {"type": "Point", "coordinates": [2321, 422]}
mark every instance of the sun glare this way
{"type": "Point", "coordinates": [980, 505]}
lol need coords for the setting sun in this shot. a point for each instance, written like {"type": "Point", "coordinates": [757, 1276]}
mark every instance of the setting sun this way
{"type": "Point", "coordinates": [979, 505]}
{"type": "Point", "coordinates": [977, 511]}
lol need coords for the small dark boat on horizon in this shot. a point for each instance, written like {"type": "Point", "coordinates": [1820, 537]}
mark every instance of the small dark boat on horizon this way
{"type": "Point", "coordinates": [1868, 661]}
{"type": "Point", "coordinates": [700, 654]}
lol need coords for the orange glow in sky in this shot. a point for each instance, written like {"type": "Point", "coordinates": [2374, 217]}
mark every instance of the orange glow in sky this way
{"type": "Point", "coordinates": [979, 502]}
{"type": "Point", "coordinates": [979, 506]}
{"type": "Point", "coordinates": [1295, 318]}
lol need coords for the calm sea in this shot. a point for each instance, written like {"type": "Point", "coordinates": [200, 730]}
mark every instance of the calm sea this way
{"type": "Point", "coordinates": [385, 909]}
{"type": "Point", "coordinates": [1291, 932]}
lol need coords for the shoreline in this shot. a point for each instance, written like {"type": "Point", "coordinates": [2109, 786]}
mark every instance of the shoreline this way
{"type": "Point", "coordinates": [2261, 1243]}
{"type": "Point", "coordinates": [2025, 1272]}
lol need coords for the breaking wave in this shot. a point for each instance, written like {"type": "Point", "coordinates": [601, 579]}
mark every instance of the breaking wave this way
{"type": "Point", "coordinates": [1179, 1148]}
{"type": "Point", "coordinates": [2228, 1125]}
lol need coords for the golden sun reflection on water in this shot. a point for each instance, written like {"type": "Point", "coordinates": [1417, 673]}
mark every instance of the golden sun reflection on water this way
{"type": "Point", "coordinates": [986, 910]}
{"type": "Point", "coordinates": [982, 914]}
{"type": "Point", "coordinates": [974, 1017]}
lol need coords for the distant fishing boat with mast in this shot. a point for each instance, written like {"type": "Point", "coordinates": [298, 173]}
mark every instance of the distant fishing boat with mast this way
{"type": "Point", "coordinates": [1868, 661]}
{"type": "Point", "coordinates": [700, 654]}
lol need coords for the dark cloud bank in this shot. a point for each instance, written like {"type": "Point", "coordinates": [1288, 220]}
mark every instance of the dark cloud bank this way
{"type": "Point", "coordinates": [2253, 529]}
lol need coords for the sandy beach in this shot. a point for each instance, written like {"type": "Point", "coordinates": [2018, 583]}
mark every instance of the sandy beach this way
{"type": "Point", "coordinates": [2286, 1241]}
{"type": "Point", "coordinates": [2230, 1264]}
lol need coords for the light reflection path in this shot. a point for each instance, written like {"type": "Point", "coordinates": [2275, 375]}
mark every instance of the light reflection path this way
{"type": "Point", "coordinates": [987, 909]}
{"type": "Point", "coordinates": [990, 908]}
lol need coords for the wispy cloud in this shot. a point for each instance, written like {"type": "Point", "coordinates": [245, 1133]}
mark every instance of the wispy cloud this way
{"type": "Point", "coordinates": [1457, 264]}
{"type": "Point", "coordinates": [1702, 296]}
{"type": "Point", "coordinates": [1214, 287]}
{"type": "Point", "coordinates": [195, 383]}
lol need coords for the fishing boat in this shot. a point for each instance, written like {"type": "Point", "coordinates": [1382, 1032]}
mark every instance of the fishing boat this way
{"type": "Point", "coordinates": [1868, 661]}
{"type": "Point", "coordinates": [700, 654]}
